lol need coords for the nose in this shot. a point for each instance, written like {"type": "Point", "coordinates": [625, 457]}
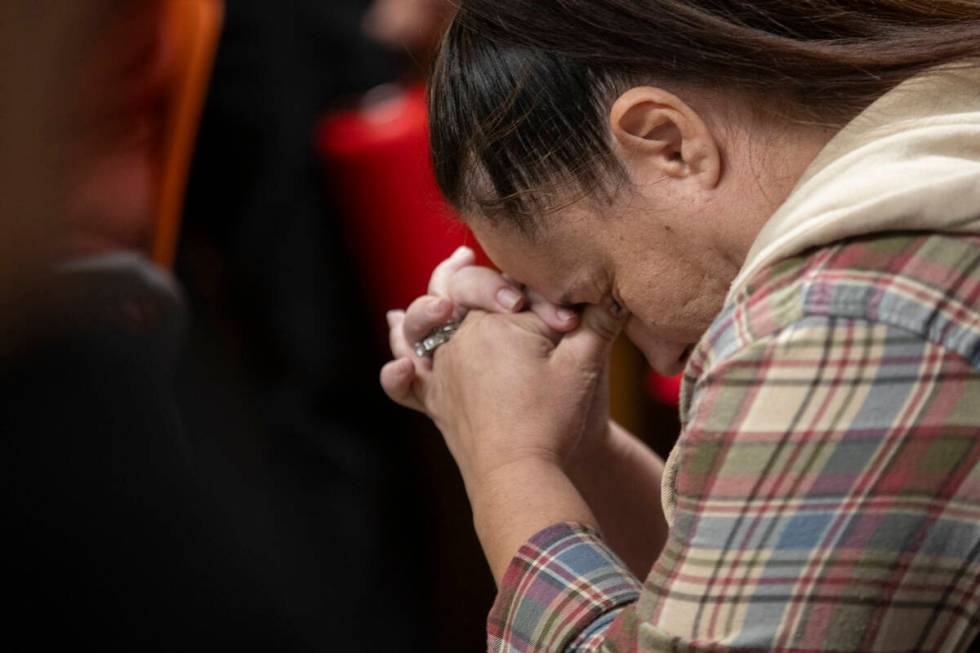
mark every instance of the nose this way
{"type": "Point", "coordinates": [666, 357]}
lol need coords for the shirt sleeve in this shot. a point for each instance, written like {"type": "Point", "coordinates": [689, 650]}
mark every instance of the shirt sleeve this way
{"type": "Point", "coordinates": [563, 587]}
{"type": "Point", "coordinates": [827, 499]}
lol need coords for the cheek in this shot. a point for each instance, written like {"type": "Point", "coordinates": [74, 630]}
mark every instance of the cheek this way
{"type": "Point", "coordinates": [652, 281]}
{"type": "Point", "coordinates": [675, 302]}
{"type": "Point", "coordinates": [657, 303]}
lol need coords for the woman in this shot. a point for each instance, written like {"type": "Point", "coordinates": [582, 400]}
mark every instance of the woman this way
{"type": "Point", "coordinates": [781, 199]}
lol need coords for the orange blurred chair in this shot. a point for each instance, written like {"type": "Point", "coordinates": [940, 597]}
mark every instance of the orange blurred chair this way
{"type": "Point", "coordinates": [191, 29]}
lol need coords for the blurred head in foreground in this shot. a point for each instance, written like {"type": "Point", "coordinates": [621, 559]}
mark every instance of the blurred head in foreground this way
{"type": "Point", "coordinates": [414, 25]}
{"type": "Point", "coordinates": [83, 84]}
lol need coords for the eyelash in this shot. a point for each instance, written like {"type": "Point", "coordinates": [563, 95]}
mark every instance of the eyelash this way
{"type": "Point", "coordinates": [617, 305]}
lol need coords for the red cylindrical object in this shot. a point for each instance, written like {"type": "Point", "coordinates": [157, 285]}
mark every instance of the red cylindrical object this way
{"type": "Point", "coordinates": [400, 228]}
{"type": "Point", "coordinates": [666, 389]}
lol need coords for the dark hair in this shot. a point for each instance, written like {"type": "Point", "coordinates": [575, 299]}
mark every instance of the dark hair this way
{"type": "Point", "coordinates": [521, 88]}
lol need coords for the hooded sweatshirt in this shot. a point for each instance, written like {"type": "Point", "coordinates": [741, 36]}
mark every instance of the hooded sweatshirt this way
{"type": "Point", "coordinates": [909, 162]}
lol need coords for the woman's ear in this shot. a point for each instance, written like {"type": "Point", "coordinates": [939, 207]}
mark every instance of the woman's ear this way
{"type": "Point", "coordinates": [660, 135]}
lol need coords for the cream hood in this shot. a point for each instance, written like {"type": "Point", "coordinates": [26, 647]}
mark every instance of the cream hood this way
{"type": "Point", "coordinates": [910, 162]}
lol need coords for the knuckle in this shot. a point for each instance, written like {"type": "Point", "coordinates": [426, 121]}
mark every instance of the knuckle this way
{"type": "Point", "coordinates": [419, 304]}
{"type": "Point", "coordinates": [464, 285]}
{"type": "Point", "coordinates": [606, 330]}
{"type": "Point", "coordinates": [478, 281]}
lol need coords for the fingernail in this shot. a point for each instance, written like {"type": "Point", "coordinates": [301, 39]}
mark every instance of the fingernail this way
{"type": "Point", "coordinates": [390, 316]}
{"type": "Point", "coordinates": [439, 307]}
{"type": "Point", "coordinates": [509, 298]}
{"type": "Point", "coordinates": [462, 251]}
{"type": "Point", "coordinates": [566, 315]}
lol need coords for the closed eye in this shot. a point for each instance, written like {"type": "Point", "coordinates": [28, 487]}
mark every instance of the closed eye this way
{"type": "Point", "coordinates": [578, 308]}
{"type": "Point", "coordinates": [617, 306]}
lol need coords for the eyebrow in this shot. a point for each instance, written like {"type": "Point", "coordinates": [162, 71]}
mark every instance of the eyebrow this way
{"type": "Point", "coordinates": [565, 301]}
{"type": "Point", "coordinates": [578, 286]}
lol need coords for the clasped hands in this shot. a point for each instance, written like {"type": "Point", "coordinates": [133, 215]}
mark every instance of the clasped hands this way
{"type": "Point", "coordinates": [523, 380]}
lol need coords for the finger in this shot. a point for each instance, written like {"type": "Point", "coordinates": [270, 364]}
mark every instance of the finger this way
{"type": "Point", "coordinates": [439, 282]}
{"type": "Point", "coordinates": [479, 288]}
{"type": "Point", "coordinates": [400, 347]}
{"type": "Point", "coordinates": [397, 380]}
{"type": "Point", "coordinates": [560, 318]}
{"type": "Point", "coordinates": [531, 322]}
{"type": "Point", "coordinates": [424, 315]}
{"type": "Point", "coordinates": [593, 340]}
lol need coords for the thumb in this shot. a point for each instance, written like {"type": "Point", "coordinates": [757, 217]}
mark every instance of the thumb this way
{"type": "Point", "coordinates": [593, 340]}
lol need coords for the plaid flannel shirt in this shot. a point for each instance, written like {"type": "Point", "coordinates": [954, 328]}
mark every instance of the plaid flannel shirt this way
{"type": "Point", "coordinates": [824, 493]}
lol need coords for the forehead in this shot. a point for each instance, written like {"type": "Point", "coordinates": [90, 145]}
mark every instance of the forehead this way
{"type": "Point", "coordinates": [558, 259]}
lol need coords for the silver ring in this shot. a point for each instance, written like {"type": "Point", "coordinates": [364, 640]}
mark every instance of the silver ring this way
{"type": "Point", "coordinates": [436, 339]}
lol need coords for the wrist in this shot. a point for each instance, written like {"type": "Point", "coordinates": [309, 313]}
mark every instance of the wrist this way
{"type": "Point", "coordinates": [489, 480]}
{"type": "Point", "coordinates": [493, 464]}
{"type": "Point", "coordinates": [518, 499]}
{"type": "Point", "coordinates": [593, 453]}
